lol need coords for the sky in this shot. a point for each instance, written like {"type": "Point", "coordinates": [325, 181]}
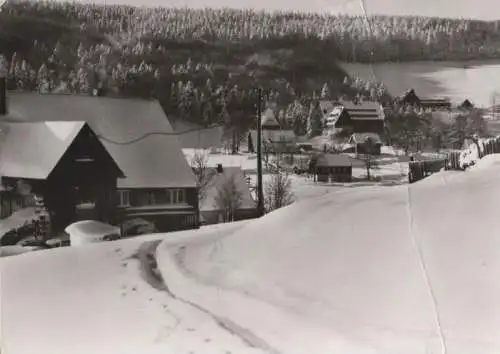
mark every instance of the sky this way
{"type": "Point", "coordinates": [480, 9]}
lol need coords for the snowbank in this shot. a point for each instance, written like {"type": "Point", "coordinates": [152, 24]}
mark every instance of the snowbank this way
{"type": "Point", "coordinates": [406, 269]}
{"type": "Point", "coordinates": [487, 162]}
{"type": "Point", "coordinates": [89, 231]}
{"type": "Point", "coordinates": [6, 251]}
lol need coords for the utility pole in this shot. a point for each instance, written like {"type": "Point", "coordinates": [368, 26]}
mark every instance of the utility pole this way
{"type": "Point", "coordinates": [260, 189]}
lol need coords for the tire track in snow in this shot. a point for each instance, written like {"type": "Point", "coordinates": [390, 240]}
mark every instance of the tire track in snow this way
{"type": "Point", "coordinates": [152, 275]}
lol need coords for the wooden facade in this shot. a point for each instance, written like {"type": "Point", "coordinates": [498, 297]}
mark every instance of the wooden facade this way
{"type": "Point", "coordinates": [171, 209]}
{"type": "Point", "coordinates": [85, 173]}
{"type": "Point", "coordinates": [372, 124]}
{"type": "Point", "coordinates": [333, 168]}
{"type": "Point", "coordinates": [334, 173]}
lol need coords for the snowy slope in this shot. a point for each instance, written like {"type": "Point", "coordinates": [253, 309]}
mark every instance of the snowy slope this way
{"type": "Point", "coordinates": [93, 299]}
{"type": "Point", "coordinates": [392, 270]}
{"type": "Point", "coordinates": [407, 269]}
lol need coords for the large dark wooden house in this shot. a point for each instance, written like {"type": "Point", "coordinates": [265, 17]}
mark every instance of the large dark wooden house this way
{"type": "Point", "coordinates": [64, 162]}
{"type": "Point", "coordinates": [112, 158]}
{"type": "Point", "coordinates": [361, 117]}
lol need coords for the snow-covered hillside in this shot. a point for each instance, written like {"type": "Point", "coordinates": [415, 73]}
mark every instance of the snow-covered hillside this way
{"type": "Point", "coordinates": [411, 269]}
{"type": "Point", "coordinates": [407, 269]}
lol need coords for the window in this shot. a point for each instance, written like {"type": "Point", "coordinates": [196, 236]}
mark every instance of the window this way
{"type": "Point", "coordinates": [178, 196]}
{"type": "Point", "coordinates": [123, 198]}
{"type": "Point", "coordinates": [162, 197]}
{"type": "Point", "coordinates": [151, 198]}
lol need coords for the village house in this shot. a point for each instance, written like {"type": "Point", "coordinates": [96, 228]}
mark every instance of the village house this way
{"type": "Point", "coordinates": [333, 168]}
{"type": "Point", "coordinates": [361, 117]}
{"type": "Point", "coordinates": [98, 157]}
{"type": "Point", "coordinates": [365, 143]}
{"type": "Point", "coordinates": [212, 205]}
{"type": "Point", "coordinates": [410, 98]}
{"type": "Point", "coordinates": [275, 139]}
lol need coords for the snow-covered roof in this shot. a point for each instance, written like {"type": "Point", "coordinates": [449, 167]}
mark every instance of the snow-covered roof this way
{"type": "Point", "coordinates": [269, 119]}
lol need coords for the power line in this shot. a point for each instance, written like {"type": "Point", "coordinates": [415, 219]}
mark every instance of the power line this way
{"type": "Point", "coordinates": [144, 136]}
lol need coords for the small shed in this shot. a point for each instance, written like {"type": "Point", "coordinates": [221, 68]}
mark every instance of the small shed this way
{"type": "Point", "coordinates": [333, 168]}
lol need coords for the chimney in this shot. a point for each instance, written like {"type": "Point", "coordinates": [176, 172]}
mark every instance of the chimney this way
{"type": "Point", "coordinates": [3, 85]}
{"type": "Point", "coordinates": [219, 168]}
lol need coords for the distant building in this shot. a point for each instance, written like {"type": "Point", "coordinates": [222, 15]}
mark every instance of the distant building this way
{"type": "Point", "coordinates": [410, 98]}
{"type": "Point", "coordinates": [96, 157]}
{"type": "Point", "coordinates": [466, 105]}
{"type": "Point", "coordinates": [361, 117]}
{"type": "Point", "coordinates": [273, 136]}
{"type": "Point", "coordinates": [211, 211]}
{"type": "Point", "coordinates": [359, 141]}
{"type": "Point", "coordinates": [333, 168]}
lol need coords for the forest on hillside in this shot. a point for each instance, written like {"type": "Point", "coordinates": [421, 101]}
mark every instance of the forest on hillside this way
{"type": "Point", "coordinates": [59, 48]}
{"type": "Point", "coordinates": [352, 38]}
{"type": "Point", "coordinates": [205, 65]}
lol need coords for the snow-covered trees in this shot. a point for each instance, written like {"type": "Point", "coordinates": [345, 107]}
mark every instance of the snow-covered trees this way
{"type": "Point", "coordinates": [315, 120]}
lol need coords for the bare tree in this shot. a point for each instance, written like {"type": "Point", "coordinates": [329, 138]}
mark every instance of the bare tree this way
{"type": "Point", "coordinates": [278, 191]}
{"type": "Point", "coordinates": [369, 159]}
{"type": "Point", "coordinates": [203, 173]}
{"type": "Point", "coordinates": [228, 198]}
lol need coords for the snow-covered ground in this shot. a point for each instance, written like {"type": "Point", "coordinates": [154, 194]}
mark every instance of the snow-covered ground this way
{"type": "Point", "coordinates": [400, 270]}
{"type": "Point", "coordinates": [95, 299]}
{"type": "Point", "coordinates": [17, 219]}
{"type": "Point", "coordinates": [409, 269]}
{"type": "Point", "coordinates": [391, 168]}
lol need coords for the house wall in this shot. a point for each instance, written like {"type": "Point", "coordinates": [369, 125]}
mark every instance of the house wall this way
{"type": "Point", "coordinates": [94, 180]}
{"type": "Point", "coordinates": [334, 174]}
{"type": "Point", "coordinates": [359, 126]}
{"type": "Point", "coordinates": [376, 149]}
{"type": "Point", "coordinates": [166, 216]}
{"type": "Point", "coordinates": [368, 126]}
{"type": "Point", "coordinates": [11, 202]}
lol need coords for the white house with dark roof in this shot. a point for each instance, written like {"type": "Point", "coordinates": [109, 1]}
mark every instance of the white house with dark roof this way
{"type": "Point", "coordinates": [212, 211]}
{"type": "Point", "coordinates": [273, 135]}
{"type": "Point", "coordinates": [158, 183]}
